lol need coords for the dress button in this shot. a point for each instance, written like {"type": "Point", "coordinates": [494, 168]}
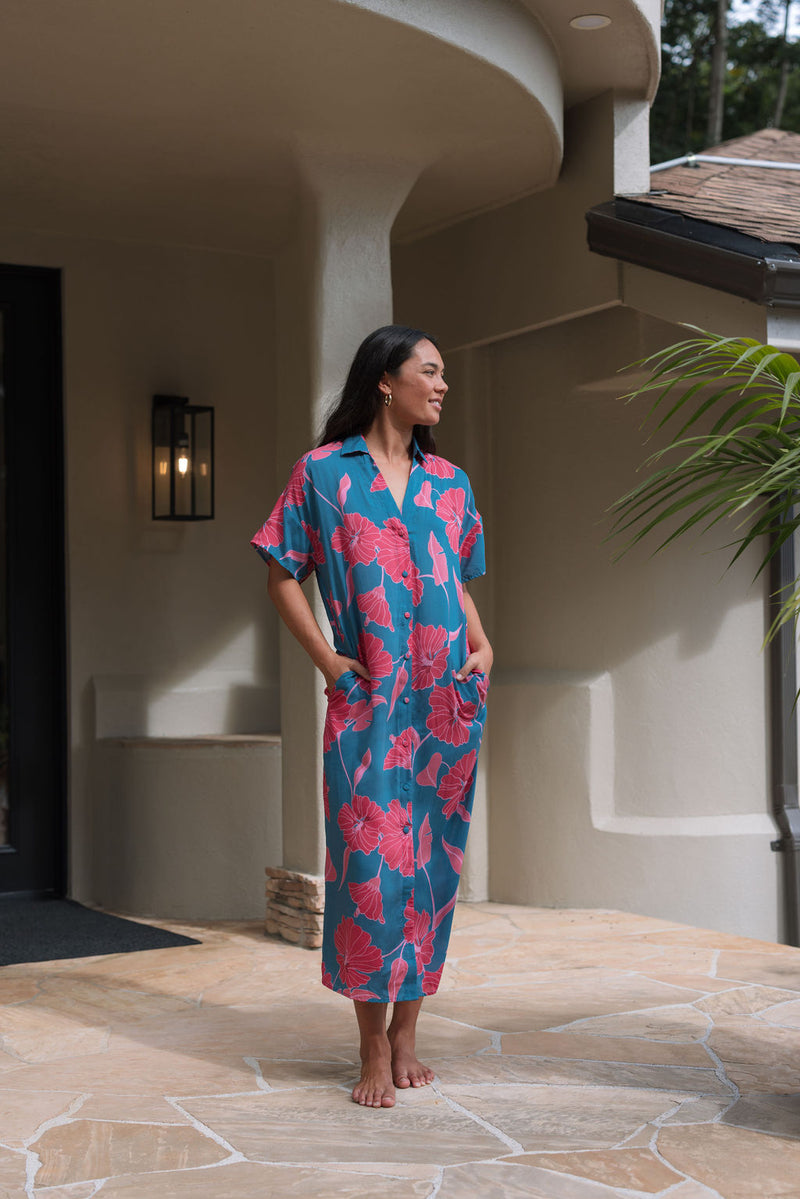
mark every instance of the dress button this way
{"type": "Point", "coordinates": [405, 699]}
{"type": "Point", "coordinates": [405, 574]}
{"type": "Point", "coordinates": [406, 786]}
{"type": "Point", "coordinates": [407, 654]}
{"type": "Point", "coordinates": [407, 615]}
{"type": "Point", "coordinates": [407, 829]}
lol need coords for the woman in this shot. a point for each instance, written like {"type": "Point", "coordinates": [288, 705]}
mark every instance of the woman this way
{"type": "Point", "coordinates": [393, 534]}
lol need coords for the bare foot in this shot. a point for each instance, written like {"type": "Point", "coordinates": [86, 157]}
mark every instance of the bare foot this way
{"type": "Point", "coordinates": [407, 1069]}
{"type": "Point", "coordinates": [375, 1087]}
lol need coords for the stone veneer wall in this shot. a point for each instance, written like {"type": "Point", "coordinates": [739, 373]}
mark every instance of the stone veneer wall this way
{"type": "Point", "coordinates": [295, 904]}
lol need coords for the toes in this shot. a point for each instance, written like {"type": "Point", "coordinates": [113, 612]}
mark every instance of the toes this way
{"type": "Point", "coordinates": [369, 1096]}
{"type": "Point", "coordinates": [414, 1077]}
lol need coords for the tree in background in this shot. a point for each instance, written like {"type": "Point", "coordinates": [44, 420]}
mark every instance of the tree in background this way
{"type": "Point", "coordinates": [698, 105]}
{"type": "Point", "coordinates": [719, 69]}
{"type": "Point", "coordinates": [783, 83]}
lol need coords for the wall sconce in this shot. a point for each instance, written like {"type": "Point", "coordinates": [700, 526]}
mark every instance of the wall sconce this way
{"type": "Point", "coordinates": [183, 459]}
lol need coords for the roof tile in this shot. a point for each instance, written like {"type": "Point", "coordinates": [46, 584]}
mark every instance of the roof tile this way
{"type": "Point", "coordinates": [764, 203]}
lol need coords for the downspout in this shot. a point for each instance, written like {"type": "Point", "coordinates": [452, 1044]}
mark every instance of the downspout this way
{"type": "Point", "coordinates": [783, 735]}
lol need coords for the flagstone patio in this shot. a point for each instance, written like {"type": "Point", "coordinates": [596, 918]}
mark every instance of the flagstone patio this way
{"type": "Point", "coordinates": [579, 1055]}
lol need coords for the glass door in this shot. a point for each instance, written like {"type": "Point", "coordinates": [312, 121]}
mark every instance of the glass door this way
{"type": "Point", "coordinates": [32, 607]}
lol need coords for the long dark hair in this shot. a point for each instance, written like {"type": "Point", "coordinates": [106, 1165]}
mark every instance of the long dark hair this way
{"type": "Point", "coordinates": [383, 351]}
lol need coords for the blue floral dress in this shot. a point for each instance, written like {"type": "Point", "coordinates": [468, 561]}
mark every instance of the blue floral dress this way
{"type": "Point", "coordinates": [400, 752]}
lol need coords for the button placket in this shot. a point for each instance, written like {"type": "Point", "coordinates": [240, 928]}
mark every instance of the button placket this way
{"type": "Point", "coordinates": [410, 616]}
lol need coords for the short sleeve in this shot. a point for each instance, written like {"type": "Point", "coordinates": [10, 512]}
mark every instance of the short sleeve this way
{"type": "Point", "coordinates": [471, 547]}
{"type": "Point", "coordinates": [288, 535]}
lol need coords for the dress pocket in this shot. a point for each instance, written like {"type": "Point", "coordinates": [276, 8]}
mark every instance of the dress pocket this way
{"type": "Point", "coordinates": [343, 682]}
{"type": "Point", "coordinates": [475, 686]}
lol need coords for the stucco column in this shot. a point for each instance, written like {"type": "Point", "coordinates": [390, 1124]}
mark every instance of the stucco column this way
{"type": "Point", "coordinates": [334, 287]}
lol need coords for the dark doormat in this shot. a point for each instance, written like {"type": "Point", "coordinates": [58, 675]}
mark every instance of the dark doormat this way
{"type": "Point", "coordinates": [48, 930]}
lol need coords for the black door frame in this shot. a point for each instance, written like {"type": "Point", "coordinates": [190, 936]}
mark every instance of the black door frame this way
{"type": "Point", "coordinates": [35, 861]}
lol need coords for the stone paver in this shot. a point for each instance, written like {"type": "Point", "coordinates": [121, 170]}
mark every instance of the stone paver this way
{"type": "Point", "coordinates": [579, 1055]}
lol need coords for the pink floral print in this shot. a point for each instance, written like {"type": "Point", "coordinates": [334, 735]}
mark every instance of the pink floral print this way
{"type": "Point", "coordinates": [361, 823]}
{"type": "Point", "coordinates": [368, 898]}
{"type": "Point", "coordinates": [357, 539]}
{"type": "Point", "coordinates": [450, 717]}
{"type": "Point", "coordinates": [401, 748]}
{"type": "Point", "coordinates": [358, 958]}
{"type": "Point", "coordinates": [456, 783]}
{"type": "Point", "coordinates": [429, 648]}
{"type": "Point", "coordinates": [397, 846]}
{"type": "Point", "coordinates": [450, 507]}
{"type": "Point", "coordinates": [404, 746]}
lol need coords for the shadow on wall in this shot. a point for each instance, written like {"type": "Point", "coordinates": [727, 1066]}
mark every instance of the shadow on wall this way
{"type": "Point", "coordinates": [628, 725]}
{"type": "Point", "coordinates": [566, 446]}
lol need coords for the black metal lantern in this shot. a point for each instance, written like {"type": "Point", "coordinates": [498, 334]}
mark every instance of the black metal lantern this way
{"type": "Point", "coordinates": [183, 459]}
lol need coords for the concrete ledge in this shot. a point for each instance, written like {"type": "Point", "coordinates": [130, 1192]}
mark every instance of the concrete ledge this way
{"type": "Point", "coordinates": [201, 741]}
{"type": "Point", "coordinates": [558, 839]}
{"type": "Point", "coordinates": [132, 706]}
{"type": "Point", "coordinates": [183, 827]}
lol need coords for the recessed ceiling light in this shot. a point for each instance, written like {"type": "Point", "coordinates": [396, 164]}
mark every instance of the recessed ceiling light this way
{"type": "Point", "coordinates": [590, 21]}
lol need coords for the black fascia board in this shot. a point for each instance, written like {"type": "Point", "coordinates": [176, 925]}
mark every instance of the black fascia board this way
{"type": "Point", "coordinates": [716, 256]}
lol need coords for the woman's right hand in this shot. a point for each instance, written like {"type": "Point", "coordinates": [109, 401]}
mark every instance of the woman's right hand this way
{"type": "Point", "coordinates": [295, 611]}
{"type": "Point", "coordinates": [339, 665]}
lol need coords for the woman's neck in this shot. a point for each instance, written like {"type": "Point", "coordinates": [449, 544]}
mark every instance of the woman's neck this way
{"type": "Point", "coordinates": [387, 440]}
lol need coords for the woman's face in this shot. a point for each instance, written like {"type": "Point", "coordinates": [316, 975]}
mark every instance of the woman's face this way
{"type": "Point", "coordinates": [417, 388]}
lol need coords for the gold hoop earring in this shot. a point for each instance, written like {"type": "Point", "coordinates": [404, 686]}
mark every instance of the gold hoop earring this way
{"type": "Point", "coordinates": [387, 399]}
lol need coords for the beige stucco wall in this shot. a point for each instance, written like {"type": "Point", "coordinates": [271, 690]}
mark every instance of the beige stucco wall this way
{"type": "Point", "coordinates": [169, 629]}
{"type": "Point", "coordinates": [626, 754]}
{"type": "Point", "coordinates": [184, 828]}
{"type": "Point", "coordinates": [626, 757]}
{"type": "Point", "coordinates": [628, 760]}
{"type": "Point", "coordinates": [625, 764]}
{"type": "Point", "coordinates": [522, 265]}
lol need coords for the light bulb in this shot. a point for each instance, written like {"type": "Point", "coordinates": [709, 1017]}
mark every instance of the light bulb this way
{"type": "Point", "coordinates": [183, 456]}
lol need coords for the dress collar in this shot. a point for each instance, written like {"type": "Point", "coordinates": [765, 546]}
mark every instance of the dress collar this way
{"type": "Point", "coordinates": [357, 445]}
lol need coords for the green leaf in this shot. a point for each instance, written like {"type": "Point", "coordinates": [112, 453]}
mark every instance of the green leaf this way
{"type": "Point", "coordinates": [745, 470]}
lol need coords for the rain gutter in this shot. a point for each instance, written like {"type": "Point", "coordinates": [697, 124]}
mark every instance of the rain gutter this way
{"type": "Point", "coordinates": [768, 273]}
{"type": "Point", "coordinates": [783, 741]}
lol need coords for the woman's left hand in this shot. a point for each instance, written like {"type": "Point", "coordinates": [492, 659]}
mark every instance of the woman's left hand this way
{"type": "Point", "coordinates": [480, 660]}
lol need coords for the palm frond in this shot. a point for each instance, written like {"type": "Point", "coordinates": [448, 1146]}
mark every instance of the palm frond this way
{"type": "Point", "coordinates": [745, 468]}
